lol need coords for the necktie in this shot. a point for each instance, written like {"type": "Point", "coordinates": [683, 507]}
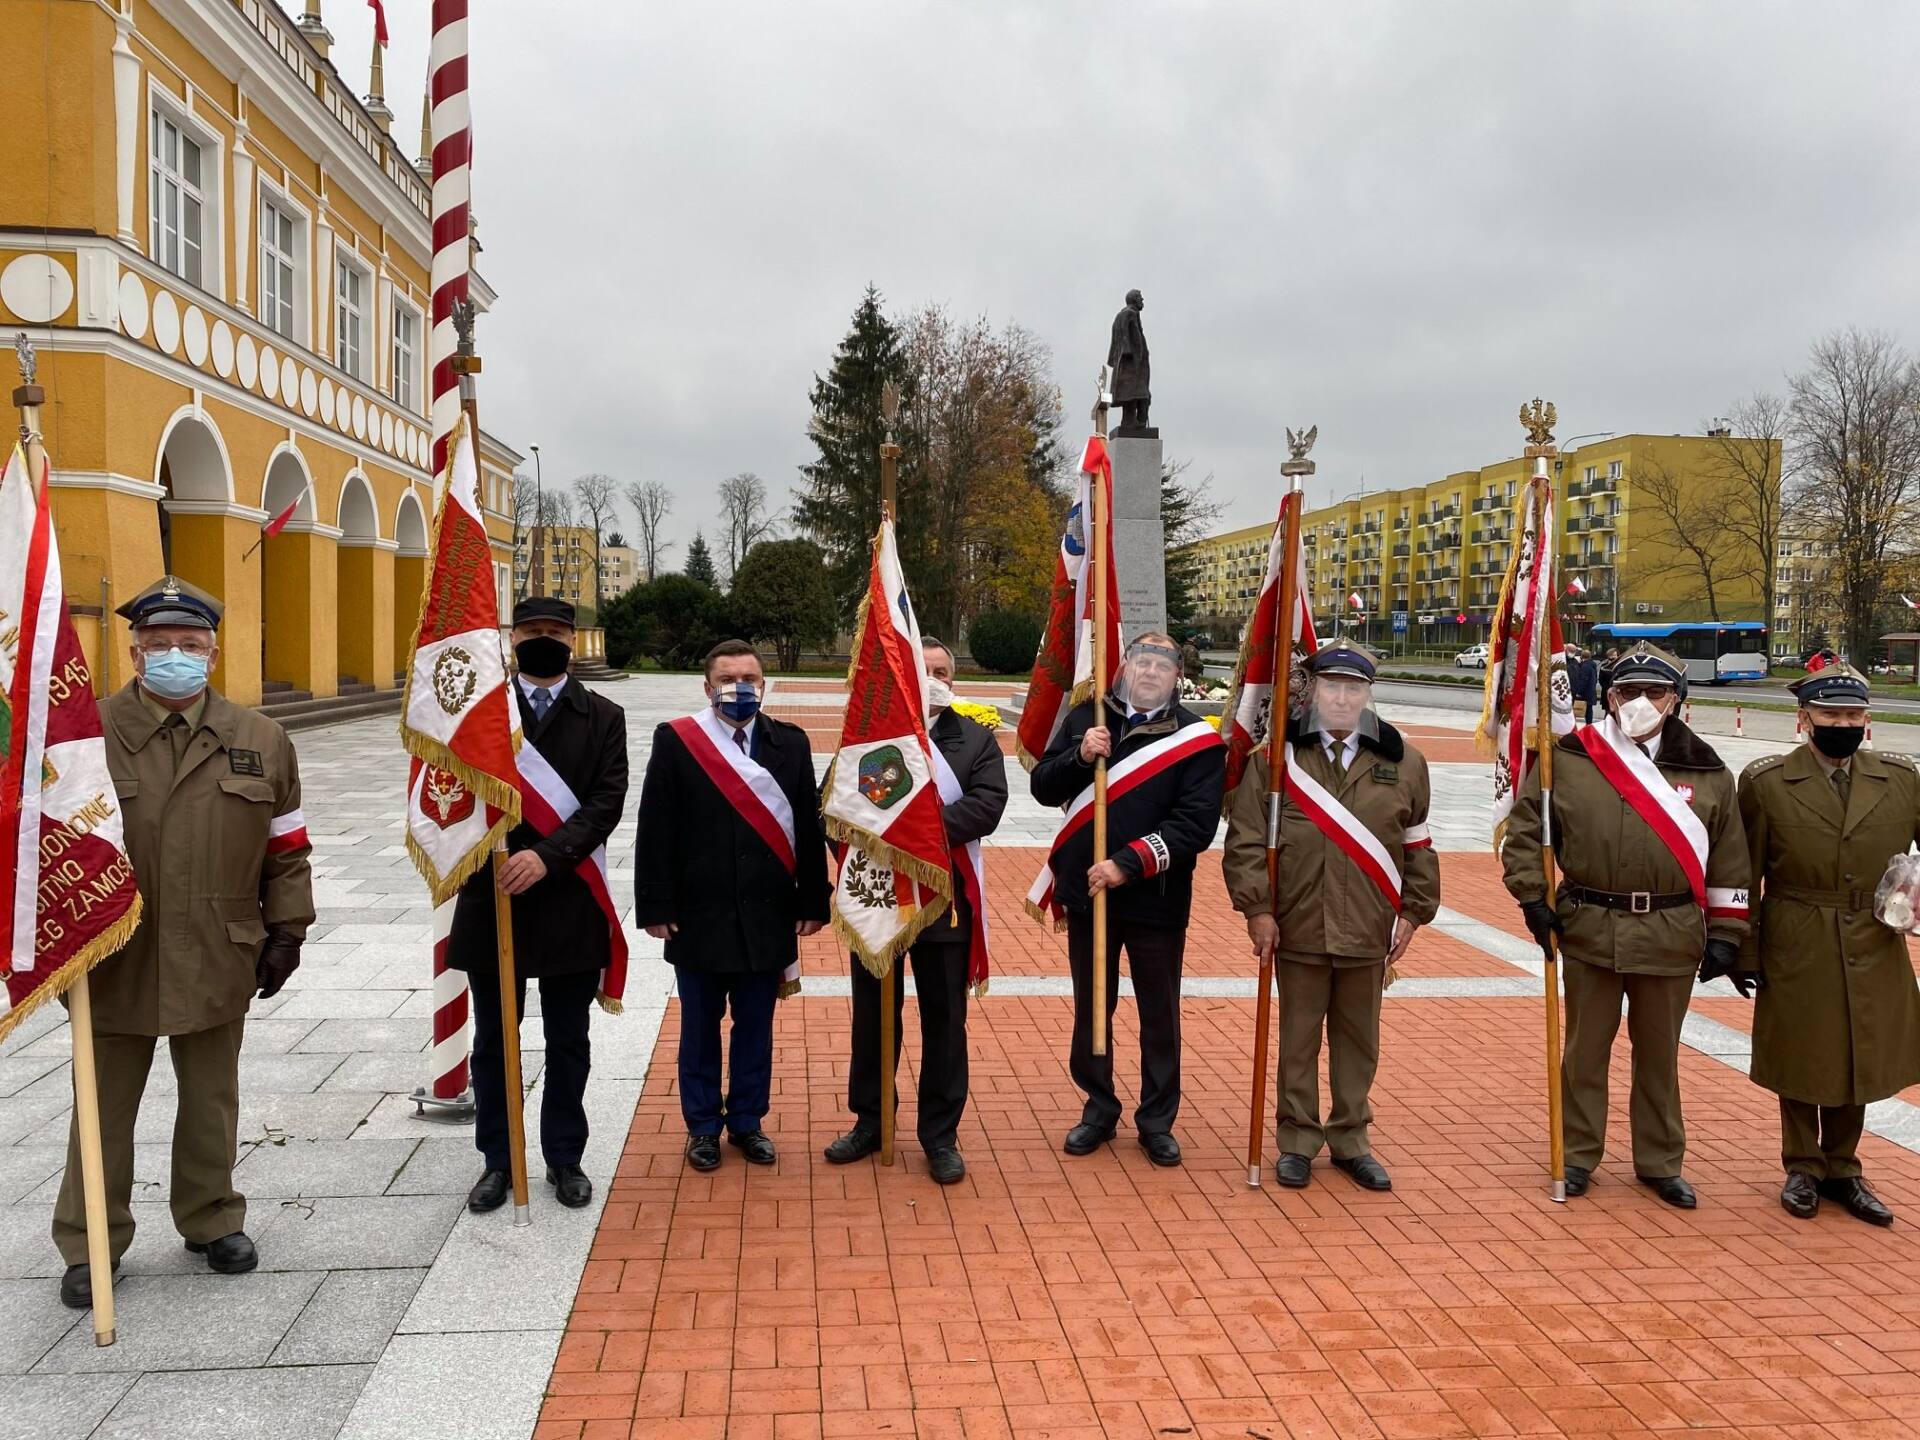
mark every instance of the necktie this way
{"type": "Point", "coordinates": [740, 739]}
{"type": "Point", "coordinates": [542, 698]}
{"type": "Point", "coordinates": [177, 737]}
{"type": "Point", "coordinates": [1843, 783]}
{"type": "Point", "coordinates": [1338, 754]}
{"type": "Point", "coordinates": [1138, 717]}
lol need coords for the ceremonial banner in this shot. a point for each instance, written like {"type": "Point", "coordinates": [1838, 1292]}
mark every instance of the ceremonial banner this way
{"type": "Point", "coordinates": [1063, 670]}
{"type": "Point", "coordinates": [70, 900]}
{"type": "Point", "coordinates": [1510, 714]}
{"type": "Point", "coordinates": [1250, 699]}
{"type": "Point", "coordinates": [881, 800]}
{"type": "Point", "coordinates": [969, 863]}
{"type": "Point", "coordinates": [457, 718]}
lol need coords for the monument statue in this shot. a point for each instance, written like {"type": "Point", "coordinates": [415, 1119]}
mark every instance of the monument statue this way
{"type": "Point", "coordinates": [1132, 376]}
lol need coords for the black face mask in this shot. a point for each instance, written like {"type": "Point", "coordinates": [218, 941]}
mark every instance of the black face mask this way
{"type": "Point", "coordinates": [543, 655]}
{"type": "Point", "coordinates": [1837, 742]}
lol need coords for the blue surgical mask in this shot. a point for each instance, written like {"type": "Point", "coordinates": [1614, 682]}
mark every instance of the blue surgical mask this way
{"type": "Point", "coordinates": [739, 702]}
{"type": "Point", "coordinates": [176, 675]}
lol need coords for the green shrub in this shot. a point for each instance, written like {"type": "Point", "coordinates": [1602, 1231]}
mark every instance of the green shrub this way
{"type": "Point", "coordinates": [1004, 642]}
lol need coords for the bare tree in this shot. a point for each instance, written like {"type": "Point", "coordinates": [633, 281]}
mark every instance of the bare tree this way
{"type": "Point", "coordinates": [520, 505]}
{"type": "Point", "coordinates": [1856, 443]}
{"type": "Point", "coordinates": [1748, 454]}
{"type": "Point", "coordinates": [595, 492]}
{"type": "Point", "coordinates": [1691, 542]}
{"type": "Point", "coordinates": [651, 501]}
{"type": "Point", "coordinates": [743, 511]}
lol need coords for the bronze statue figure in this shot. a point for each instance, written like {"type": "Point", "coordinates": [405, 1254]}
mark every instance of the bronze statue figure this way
{"type": "Point", "coordinates": [1132, 376]}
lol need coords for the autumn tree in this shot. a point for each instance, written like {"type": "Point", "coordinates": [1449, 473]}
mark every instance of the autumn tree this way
{"type": "Point", "coordinates": [1747, 456]}
{"type": "Point", "coordinates": [1187, 512]}
{"type": "Point", "coordinates": [1689, 542]}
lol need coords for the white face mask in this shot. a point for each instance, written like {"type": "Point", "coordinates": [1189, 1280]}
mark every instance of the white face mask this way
{"type": "Point", "coordinates": [1640, 717]}
{"type": "Point", "coordinates": [939, 694]}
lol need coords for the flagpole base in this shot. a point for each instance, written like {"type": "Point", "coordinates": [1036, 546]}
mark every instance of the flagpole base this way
{"type": "Point", "coordinates": [103, 1339]}
{"type": "Point", "coordinates": [429, 1106]}
{"type": "Point", "coordinates": [1558, 1192]}
{"type": "Point", "coordinates": [522, 1215]}
{"type": "Point", "coordinates": [1253, 1177]}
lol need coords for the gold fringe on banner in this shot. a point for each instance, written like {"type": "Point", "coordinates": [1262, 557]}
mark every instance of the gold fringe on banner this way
{"type": "Point", "coordinates": [101, 947]}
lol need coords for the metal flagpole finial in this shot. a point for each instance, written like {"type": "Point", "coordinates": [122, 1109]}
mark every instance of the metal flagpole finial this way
{"type": "Point", "coordinates": [1539, 418]}
{"type": "Point", "coordinates": [23, 350]}
{"type": "Point", "coordinates": [1102, 398]}
{"type": "Point", "coordinates": [889, 412]}
{"type": "Point", "coordinates": [1298, 444]}
{"type": "Point", "coordinates": [462, 315]}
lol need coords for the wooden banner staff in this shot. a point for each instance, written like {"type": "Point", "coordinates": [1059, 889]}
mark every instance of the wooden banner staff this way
{"type": "Point", "coordinates": [1295, 469]}
{"type": "Point", "coordinates": [889, 982]}
{"type": "Point", "coordinates": [1540, 448]}
{"type": "Point", "coordinates": [28, 398]}
{"type": "Point", "coordinates": [466, 364]}
{"type": "Point", "coordinates": [1097, 576]}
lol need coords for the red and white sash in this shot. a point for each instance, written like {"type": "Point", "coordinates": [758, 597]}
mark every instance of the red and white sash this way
{"type": "Point", "coordinates": [749, 787]}
{"type": "Point", "coordinates": [1138, 768]}
{"type": "Point", "coordinates": [970, 865]}
{"type": "Point", "coordinates": [1631, 771]}
{"type": "Point", "coordinates": [1343, 828]}
{"type": "Point", "coordinates": [546, 803]}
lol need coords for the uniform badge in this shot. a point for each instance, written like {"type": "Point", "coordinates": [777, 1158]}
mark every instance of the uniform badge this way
{"type": "Point", "coordinates": [445, 798]}
{"type": "Point", "coordinates": [246, 762]}
{"type": "Point", "coordinates": [884, 779]}
{"type": "Point", "coordinates": [1386, 774]}
{"type": "Point", "coordinates": [1685, 793]}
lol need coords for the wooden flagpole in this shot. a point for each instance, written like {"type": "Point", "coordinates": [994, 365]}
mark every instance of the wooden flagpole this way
{"type": "Point", "coordinates": [889, 982]}
{"type": "Point", "coordinates": [29, 397]}
{"type": "Point", "coordinates": [466, 364]}
{"type": "Point", "coordinates": [1540, 449]}
{"type": "Point", "coordinates": [1296, 469]}
{"type": "Point", "coordinates": [1100, 560]}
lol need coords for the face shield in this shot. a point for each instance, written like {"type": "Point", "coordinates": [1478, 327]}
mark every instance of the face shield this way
{"type": "Point", "coordinates": [1341, 705]}
{"type": "Point", "coordinates": [1149, 677]}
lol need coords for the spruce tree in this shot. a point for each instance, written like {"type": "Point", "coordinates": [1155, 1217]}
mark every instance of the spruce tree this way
{"type": "Point", "coordinates": [700, 564]}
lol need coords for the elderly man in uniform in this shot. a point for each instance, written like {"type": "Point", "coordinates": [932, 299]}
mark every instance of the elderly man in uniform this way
{"type": "Point", "coordinates": [210, 792]}
{"type": "Point", "coordinates": [1339, 925]}
{"type": "Point", "coordinates": [976, 775]}
{"type": "Point", "coordinates": [1647, 835]}
{"type": "Point", "coordinates": [1837, 1025]}
{"type": "Point", "coordinates": [1162, 811]}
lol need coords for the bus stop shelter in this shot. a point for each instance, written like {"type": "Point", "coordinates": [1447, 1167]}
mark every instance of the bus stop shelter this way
{"type": "Point", "coordinates": [1903, 637]}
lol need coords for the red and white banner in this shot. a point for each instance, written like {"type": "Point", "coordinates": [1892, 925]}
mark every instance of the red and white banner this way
{"type": "Point", "coordinates": [881, 801]}
{"type": "Point", "coordinates": [969, 863]}
{"type": "Point", "coordinates": [1063, 670]}
{"type": "Point", "coordinates": [1343, 828]}
{"type": "Point", "coordinates": [1136, 769]}
{"type": "Point", "coordinates": [546, 803]}
{"type": "Point", "coordinates": [70, 898]}
{"type": "Point", "coordinates": [1249, 700]}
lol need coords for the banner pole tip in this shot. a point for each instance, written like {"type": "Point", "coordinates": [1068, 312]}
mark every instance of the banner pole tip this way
{"type": "Point", "coordinates": [1253, 1177]}
{"type": "Point", "coordinates": [522, 1215]}
{"type": "Point", "coordinates": [1559, 1192]}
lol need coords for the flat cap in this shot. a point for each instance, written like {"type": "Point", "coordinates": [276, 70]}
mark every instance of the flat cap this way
{"type": "Point", "coordinates": [543, 607]}
{"type": "Point", "coordinates": [1341, 660]}
{"type": "Point", "coordinates": [172, 601]}
{"type": "Point", "coordinates": [1647, 663]}
{"type": "Point", "coordinates": [1835, 684]}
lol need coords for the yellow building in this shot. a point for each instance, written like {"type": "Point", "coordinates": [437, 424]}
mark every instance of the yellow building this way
{"type": "Point", "coordinates": [1806, 606]}
{"type": "Point", "coordinates": [558, 560]}
{"type": "Point", "coordinates": [1427, 562]}
{"type": "Point", "coordinates": [221, 255]}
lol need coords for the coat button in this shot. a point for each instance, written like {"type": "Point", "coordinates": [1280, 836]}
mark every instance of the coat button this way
{"type": "Point", "coordinates": [1849, 877]}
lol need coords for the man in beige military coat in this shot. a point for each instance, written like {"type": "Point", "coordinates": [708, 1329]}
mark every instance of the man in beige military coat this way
{"type": "Point", "coordinates": [1838, 1023]}
{"type": "Point", "coordinates": [210, 792]}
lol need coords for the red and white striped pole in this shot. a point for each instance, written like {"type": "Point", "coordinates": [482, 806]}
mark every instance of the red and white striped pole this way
{"type": "Point", "coordinates": [451, 133]}
{"type": "Point", "coordinates": [1739, 728]}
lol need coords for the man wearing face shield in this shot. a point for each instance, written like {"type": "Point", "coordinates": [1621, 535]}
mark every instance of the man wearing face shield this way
{"type": "Point", "coordinates": [1838, 1024]}
{"type": "Point", "coordinates": [210, 794]}
{"type": "Point", "coordinates": [1653, 859]}
{"type": "Point", "coordinates": [561, 937]}
{"type": "Point", "coordinates": [1166, 769]}
{"type": "Point", "coordinates": [1357, 877]}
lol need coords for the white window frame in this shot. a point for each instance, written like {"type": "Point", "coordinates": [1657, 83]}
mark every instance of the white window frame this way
{"type": "Point", "coordinates": [1613, 469]}
{"type": "Point", "coordinates": [344, 260]}
{"type": "Point", "coordinates": [274, 197]}
{"type": "Point", "coordinates": [414, 368]}
{"type": "Point", "coordinates": [163, 104]}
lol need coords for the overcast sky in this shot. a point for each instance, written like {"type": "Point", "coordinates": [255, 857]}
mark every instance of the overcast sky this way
{"type": "Point", "coordinates": [1396, 221]}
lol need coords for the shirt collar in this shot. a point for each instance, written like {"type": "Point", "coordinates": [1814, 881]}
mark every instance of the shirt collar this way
{"type": "Point", "coordinates": [1349, 747]}
{"type": "Point", "coordinates": [1652, 745]}
{"type": "Point", "coordinates": [527, 687]}
{"type": "Point", "coordinates": [193, 714]}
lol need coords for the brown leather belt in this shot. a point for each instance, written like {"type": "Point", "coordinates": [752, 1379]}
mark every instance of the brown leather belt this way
{"type": "Point", "coordinates": [1823, 899]}
{"type": "Point", "coordinates": [1634, 902]}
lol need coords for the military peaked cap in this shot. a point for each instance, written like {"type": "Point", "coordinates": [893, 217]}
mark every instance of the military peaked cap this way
{"type": "Point", "coordinates": [543, 607]}
{"type": "Point", "coordinates": [1835, 684]}
{"type": "Point", "coordinates": [172, 601]}
{"type": "Point", "coordinates": [1648, 664]}
{"type": "Point", "coordinates": [1341, 660]}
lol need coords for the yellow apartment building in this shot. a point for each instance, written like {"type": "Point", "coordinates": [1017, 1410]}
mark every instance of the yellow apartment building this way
{"type": "Point", "coordinates": [558, 560]}
{"type": "Point", "coordinates": [221, 255]}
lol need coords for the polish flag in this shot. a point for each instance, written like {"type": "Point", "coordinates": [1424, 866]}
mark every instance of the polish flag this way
{"type": "Point", "coordinates": [379, 21]}
{"type": "Point", "coordinates": [279, 522]}
{"type": "Point", "coordinates": [1576, 586]}
{"type": "Point", "coordinates": [1354, 600]}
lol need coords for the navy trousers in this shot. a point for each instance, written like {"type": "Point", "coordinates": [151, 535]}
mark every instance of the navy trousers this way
{"type": "Point", "coordinates": [566, 1010]}
{"type": "Point", "coordinates": [704, 1002]}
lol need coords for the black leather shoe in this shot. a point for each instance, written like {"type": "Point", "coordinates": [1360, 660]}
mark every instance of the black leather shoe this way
{"type": "Point", "coordinates": [490, 1191]}
{"type": "Point", "coordinates": [1084, 1139]}
{"type": "Point", "coordinates": [1858, 1197]}
{"type": "Point", "coordinates": [703, 1152]}
{"type": "Point", "coordinates": [1800, 1196]}
{"type": "Point", "coordinates": [230, 1254]}
{"type": "Point", "coordinates": [1673, 1189]}
{"type": "Point", "coordinates": [1161, 1147]}
{"type": "Point", "coordinates": [570, 1185]}
{"type": "Point", "coordinates": [76, 1286]}
{"type": "Point", "coordinates": [1293, 1171]}
{"type": "Point", "coordinates": [856, 1144]}
{"type": "Point", "coordinates": [1366, 1172]}
{"type": "Point", "coordinates": [754, 1145]}
{"type": "Point", "coordinates": [945, 1165]}
{"type": "Point", "coordinates": [1578, 1179]}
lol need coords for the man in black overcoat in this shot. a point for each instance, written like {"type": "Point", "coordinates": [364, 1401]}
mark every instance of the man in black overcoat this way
{"type": "Point", "coordinates": [730, 870]}
{"type": "Point", "coordinates": [561, 936]}
{"type": "Point", "coordinates": [941, 956]}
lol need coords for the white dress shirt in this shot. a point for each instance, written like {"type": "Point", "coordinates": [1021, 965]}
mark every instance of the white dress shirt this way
{"type": "Point", "coordinates": [527, 687]}
{"type": "Point", "coordinates": [1348, 748]}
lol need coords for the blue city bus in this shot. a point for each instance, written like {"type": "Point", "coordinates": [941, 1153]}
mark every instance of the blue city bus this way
{"type": "Point", "coordinates": [1715, 651]}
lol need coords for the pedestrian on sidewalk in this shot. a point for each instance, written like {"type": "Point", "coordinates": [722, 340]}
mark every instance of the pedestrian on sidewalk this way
{"type": "Point", "coordinates": [210, 793]}
{"type": "Point", "coordinates": [948, 954]}
{"type": "Point", "coordinates": [1166, 771]}
{"type": "Point", "coordinates": [1585, 678]}
{"type": "Point", "coordinates": [1647, 835]}
{"type": "Point", "coordinates": [1837, 1024]}
{"type": "Point", "coordinates": [563, 934]}
{"type": "Point", "coordinates": [1359, 787]}
{"type": "Point", "coordinates": [730, 870]}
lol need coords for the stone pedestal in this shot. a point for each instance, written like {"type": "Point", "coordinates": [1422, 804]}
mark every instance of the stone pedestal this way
{"type": "Point", "coordinates": [1139, 544]}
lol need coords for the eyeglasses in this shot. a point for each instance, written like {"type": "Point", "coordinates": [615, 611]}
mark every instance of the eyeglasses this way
{"type": "Point", "coordinates": [1644, 692]}
{"type": "Point", "coordinates": [154, 649]}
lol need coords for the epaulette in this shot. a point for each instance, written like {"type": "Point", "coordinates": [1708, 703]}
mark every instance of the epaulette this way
{"type": "Point", "coordinates": [1765, 762]}
{"type": "Point", "coordinates": [1895, 757]}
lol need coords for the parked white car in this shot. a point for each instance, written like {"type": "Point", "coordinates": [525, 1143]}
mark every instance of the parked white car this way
{"type": "Point", "coordinates": [1474, 657]}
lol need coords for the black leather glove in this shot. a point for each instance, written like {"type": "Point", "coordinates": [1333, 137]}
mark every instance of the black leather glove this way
{"type": "Point", "coordinates": [1542, 923]}
{"type": "Point", "coordinates": [1723, 959]}
{"type": "Point", "coordinates": [279, 958]}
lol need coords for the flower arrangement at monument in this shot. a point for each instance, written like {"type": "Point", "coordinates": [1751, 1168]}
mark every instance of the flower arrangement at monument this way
{"type": "Point", "coordinates": [987, 715]}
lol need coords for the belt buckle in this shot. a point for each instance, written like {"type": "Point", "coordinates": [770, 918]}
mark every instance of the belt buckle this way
{"type": "Point", "coordinates": [1641, 902]}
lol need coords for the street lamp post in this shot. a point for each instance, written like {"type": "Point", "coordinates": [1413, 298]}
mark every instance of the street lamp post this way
{"type": "Point", "coordinates": [539, 514]}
